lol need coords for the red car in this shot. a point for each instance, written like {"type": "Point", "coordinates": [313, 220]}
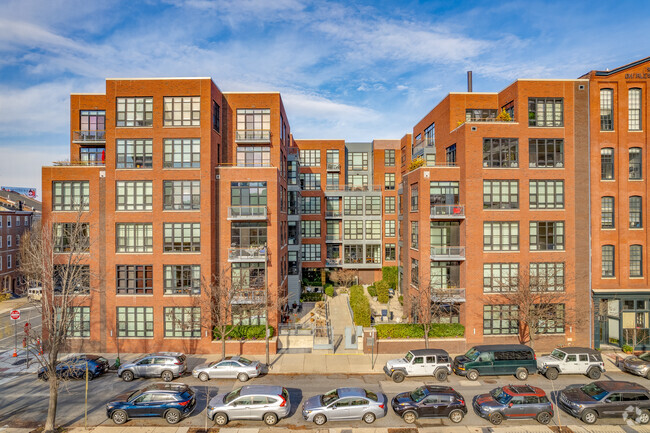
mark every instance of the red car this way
{"type": "Point", "coordinates": [514, 402]}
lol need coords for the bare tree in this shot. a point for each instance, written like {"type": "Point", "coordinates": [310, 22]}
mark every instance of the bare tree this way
{"type": "Point", "coordinates": [343, 277]}
{"type": "Point", "coordinates": [56, 258]}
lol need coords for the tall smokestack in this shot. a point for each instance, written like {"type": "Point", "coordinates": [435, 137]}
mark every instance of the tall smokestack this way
{"type": "Point", "coordinates": [469, 81]}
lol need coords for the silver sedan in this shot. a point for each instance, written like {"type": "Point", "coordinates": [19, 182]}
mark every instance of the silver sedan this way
{"type": "Point", "coordinates": [230, 367]}
{"type": "Point", "coordinates": [345, 404]}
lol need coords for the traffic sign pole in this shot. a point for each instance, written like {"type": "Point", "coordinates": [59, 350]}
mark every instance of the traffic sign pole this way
{"type": "Point", "coordinates": [15, 315]}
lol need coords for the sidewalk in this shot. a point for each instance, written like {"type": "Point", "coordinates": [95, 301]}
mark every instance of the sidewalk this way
{"type": "Point", "coordinates": [13, 304]}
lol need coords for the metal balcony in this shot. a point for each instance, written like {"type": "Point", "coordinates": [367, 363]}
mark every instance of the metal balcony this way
{"type": "Point", "coordinates": [253, 136]}
{"type": "Point", "coordinates": [447, 295]}
{"type": "Point", "coordinates": [247, 212]}
{"type": "Point", "coordinates": [89, 137]}
{"type": "Point", "coordinates": [333, 238]}
{"type": "Point", "coordinates": [252, 254]}
{"type": "Point", "coordinates": [421, 144]}
{"type": "Point", "coordinates": [447, 253]}
{"type": "Point", "coordinates": [447, 211]}
{"type": "Point", "coordinates": [334, 167]}
{"type": "Point", "coordinates": [333, 262]}
{"type": "Point", "coordinates": [334, 214]}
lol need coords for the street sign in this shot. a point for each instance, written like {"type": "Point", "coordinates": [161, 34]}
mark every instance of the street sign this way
{"type": "Point", "coordinates": [15, 314]}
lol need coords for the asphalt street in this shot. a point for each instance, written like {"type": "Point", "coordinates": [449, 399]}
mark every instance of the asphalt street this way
{"type": "Point", "coordinates": [30, 314]}
{"type": "Point", "coordinates": [23, 399]}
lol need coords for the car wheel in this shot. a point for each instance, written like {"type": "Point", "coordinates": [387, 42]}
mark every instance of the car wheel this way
{"type": "Point", "coordinates": [409, 417]}
{"type": "Point", "coordinates": [589, 417]}
{"type": "Point", "coordinates": [441, 375]}
{"type": "Point", "coordinates": [204, 377]}
{"type": "Point", "coordinates": [643, 418]}
{"type": "Point", "coordinates": [173, 416]}
{"type": "Point", "coordinates": [243, 377]}
{"type": "Point", "coordinates": [119, 417]}
{"type": "Point", "coordinates": [594, 373]}
{"type": "Point", "coordinates": [544, 418]}
{"type": "Point", "coordinates": [369, 418]}
{"type": "Point", "coordinates": [456, 416]}
{"type": "Point", "coordinates": [472, 375]}
{"type": "Point", "coordinates": [221, 418]}
{"type": "Point", "coordinates": [552, 373]}
{"type": "Point", "coordinates": [127, 376]}
{"type": "Point", "coordinates": [320, 419]}
{"type": "Point", "coordinates": [270, 418]}
{"type": "Point", "coordinates": [167, 376]}
{"type": "Point", "coordinates": [521, 374]}
{"type": "Point", "coordinates": [398, 377]}
{"type": "Point", "coordinates": [495, 418]}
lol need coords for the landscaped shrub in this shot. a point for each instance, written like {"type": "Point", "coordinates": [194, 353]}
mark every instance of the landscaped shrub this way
{"type": "Point", "coordinates": [389, 274]}
{"type": "Point", "coordinates": [400, 298]}
{"type": "Point", "coordinates": [382, 292]}
{"type": "Point", "coordinates": [311, 297]}
{"type": "Point", "coordinates": [416, 163]}
{"type": "Point", "coordinates": [329, 291]}
{"type": "Point", "coordinates": [360, 306]}
{"type": "Point", "coordinates": [372, 291]}
{"type": "Point", "coordinates": [244, 332]}
{"type": "Point", "coordinates": [408, 330]}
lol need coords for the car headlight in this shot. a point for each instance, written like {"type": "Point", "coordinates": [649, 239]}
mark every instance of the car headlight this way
{"type": "Point", "coordinates": [461, 368]}
{"type": "Point", "coordinates": [210, 408]}
{"type": "Point", "coordinates": [307, 411]}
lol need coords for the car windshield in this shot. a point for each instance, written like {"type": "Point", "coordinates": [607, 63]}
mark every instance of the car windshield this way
{"type": "Point", "coordinates": [408, 357]}
{"type": "Point", "coordinates": [232, 395]}
{"type": "Point", "coordinates": [418, 394]}
{"type": "Point", "coordinates": [645, 356]}
{"type": "Point", "coordinates": [501, 396]}
{"type": "Point", "coordinates": [329, 397]}
{"type": "Point", "coordinates": [594, 391]}
{"type": "Point", "coordinates": [133, 396]}
{"type": "Point", "coordinates": [558, 354]}
{"type": "Point", "coordinates": [245, 361]}
{"type": "Point", "coordinates": [371, 395]}
{"type": "Point", "coordinates": [472, 354]}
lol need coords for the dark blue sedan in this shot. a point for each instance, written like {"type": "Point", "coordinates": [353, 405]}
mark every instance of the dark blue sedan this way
{"type": "Point", "coordinates": [74, 367]}
{"type": "Point", "coordinates": [172, 401]}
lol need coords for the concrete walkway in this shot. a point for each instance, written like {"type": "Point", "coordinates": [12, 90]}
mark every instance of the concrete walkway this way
{"type": "Point", "coordinates": [340, 318]}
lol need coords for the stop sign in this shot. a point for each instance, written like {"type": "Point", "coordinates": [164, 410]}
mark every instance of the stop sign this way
{"type": "Point", "coordinates": [15, 314]}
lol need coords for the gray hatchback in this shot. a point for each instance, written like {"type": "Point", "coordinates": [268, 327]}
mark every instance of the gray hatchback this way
{"type": "Point", "coordinates": [166, 365]}
{"type": "Point", "coordinates": [345, 404]}
{"type": "Point", "coordinates": [254, 402]}
{"type": "Point", "coordinates": [229, 368]}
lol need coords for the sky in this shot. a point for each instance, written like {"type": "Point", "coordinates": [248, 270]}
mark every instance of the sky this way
{"type": "Point", "coordinates": [353, 70]}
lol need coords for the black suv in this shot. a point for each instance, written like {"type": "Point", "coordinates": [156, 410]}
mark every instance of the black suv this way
{"type": "Point", "coordinates": [516, 402]}
{"type": "Point", "coordinates": [607, 399]}
{"type": "Point", "coordinates": [430, 402]}
{"type": "Point", "coordinates": [172, 401]}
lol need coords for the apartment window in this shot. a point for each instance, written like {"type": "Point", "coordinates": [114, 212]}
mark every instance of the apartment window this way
{"type": "Point", "coordinates": [546, 194]}
{"type": "Point", "coordinates": [310, 157]}
{"type": "Point", "coordinates": [430, 135]}
{"type": "Point", "coordinates": [634, 109]}
{"type": "Point", "coordinates": [9, 244]}
{"type": "Point", "coordinates": [253, 123]}
{"type": "Point", "coordinates": [430, 159]}
{"type": "Point", "coordinates": [607, 213]}
{"type": "Point", "coordinates": [373, 230]}
{"type": "Point", "coordinates": [636, 214]}
{"type": "Point", "coordinates": [216, 116]}
{"type": "Point", "coordinates": [500, 194]}
{"type": "Point", "coordinates": [353, 254]}
{"type": "Point", "coordinates": [353, 205]}
{"type": "Point", "coordinates": [182, 279]}
{"type": "Point", "coordinates": [607, 264]}
{"type": "Point", "coordinates": [135, 322]}
{"type": "Point", "coordinates": [181, 195]}
{"type": "Point", "coordinates": [414, 234]}
{"type": "Point", "coordinates": [547, 277]}
{"type": "Point", "coordinates": [509, 108]}
{"type": "Point", "coordinates": [415, 272]}
{"type": "Point", "coordinates": [450, 155]}
{"type": "Point", "coordinates": [68, 237]}
{"type": "Point", "coordinates": [353, 230]}
{"type": "Point", "coordinates": [332, 157]}
{"type": "Point", "coordinates": [181, 111]}
{"type": "Point", "coordinates": [501, 236]}
{"type": "Point", "coordinates": [135, 153]}
{"type": "Point", "coordinates": [414, 197]}
{"type": "Point", "coordinates": [79, 326]}
{"type": "Point", "coordinates": [333, 228]}
{"type": "Point", "coordinates": [332, 181]}
{"type": "Point", "coordinates": [182, 237]}
{"type": "Point", "coordinates": [554, 325]}
{"type": "Point", "coordinates": [134, 112]}
{"type": "Point", "coordinates": [373, 205]}
{"type": "Point", "coordinates": [636, 163]}
{"type": "Point", "coordinates": [389, 228]}
{"type": "Point", "coordinates": [310, 229]}
{"type": "Point", "coordinates": [134, 279]}
{"type": "Point", "coordinates": [248, 275]}
{"type": "Point", "coordinates": [310, 252]}
{"type": "Point", "coordinates": [17, 221]}
{"type": "Point", "coordinates": [182, 322]}
{"type": "Point", "coordinates": [389, 157]}
{"type": "Point", "coordinates": [358, 161]}
{"type": "Point", "coordinates": [500, 152]}
{"type": "Point", "coordinates": [9, 264]}
{"type": "Point", "coordinates": [389, 252]}
{"type": "Point", "coordinates": [480, 114]}
{"type": "Point", "coordinates": [253, 156]}
{"type": "Point", "coordinates": [606, 109]}
{"type": "Point", "coordinates": [248, 193]}
{"type": "Point", "coordinates": [8, 221]}
{"type": "Point", "coordinates": [500, 319]}
{"type": "Point", "coordinates": [134, 238]}
{"type": "Point", "coordinates": [134, 195]}
{"type": "Point", "coordinates": [69, 196]}
{"type": "Point", "coordinates": [357, 182]}
{"type": "Point", "coordinates": [92, 155]}
{"type": "Point", "coordinates": [546, 152]}
{"type": "Point", "coordinates": [389, 205]}
{"type": "Point", "coordinates": [373, 254]}
{"type": "Point", "coordinates": [311, 205]}
{"type": "Point", "coordinates": [500, 277]}
{"type": "Point", "coordinates": [181, 153]}
{"type": "Point", "coordinates": [310, 181]}
{"type": "Point", "coordinates": [607, 163]}
{"type": "Point", "coordinates": [636, 261]}
{"type": "Point", "coordinates": [547, 112]}
{"type": "Point", "coordinates": [546, 235]}
{"type": "Point", "coordinates": [389, 181]}
{"type": "Point", "coordinates": [94, 120]}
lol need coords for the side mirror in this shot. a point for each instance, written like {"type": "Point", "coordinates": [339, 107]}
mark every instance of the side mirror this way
{"type": "Point", "coordinates": [607, 400]}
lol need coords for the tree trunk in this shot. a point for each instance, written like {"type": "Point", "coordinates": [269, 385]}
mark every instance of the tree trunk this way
{"type": "Point", "coordinates": [426, 336]}
{"type": "Point", "coordinates": [223, 345]}
{"type": "Point", "coordinates": [51, 408]}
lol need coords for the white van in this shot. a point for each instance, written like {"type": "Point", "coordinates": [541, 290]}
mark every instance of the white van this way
{"type": "Point", "coordinates": [35, 294]}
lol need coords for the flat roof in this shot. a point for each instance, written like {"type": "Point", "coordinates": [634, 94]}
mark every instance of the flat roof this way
{"type": "Point", "coordinates": [160, 78]}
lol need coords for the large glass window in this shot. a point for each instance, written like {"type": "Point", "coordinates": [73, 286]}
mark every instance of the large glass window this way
{"type": "Point", "coordinates": [546, 235]}
{"type": "Point", "coordinates": [92, 155]}
{"type": "Point", "coordinates": [182, 279]}
{"type": "Point", "coordinates": [357, 182]}
{"type": "Point", "coordinates": [79, 322]}
{"type": "Point", "coordinates": [547, 112]}
{"type": "Point", "coordinates": [68, 237]}
{"type": "Point", "coordinates": [181, 111]}
{"type": "Point", "coordinates": [353, 205]}
{"type": "Point", "coordinates": [358, 161]}
{"type": "Point", "coordinates": [389, 228]}
{"type": "Point", "coordinates": [311, 252]}
{"type": "Point", "coordinates": [310, 229]}
{"type": "Point", "coordinates": [353, 254]}
{"type": "Point", "coordinates": [546, 194]}
{"type": "Point", "coordinates": [636, 212]}
{"type": "Point", "coordinates": [500, 277]}
{"type": "Point", "coordinates": [248, 194]}
{"type": "Point", "coordinates": [415, 272]}
{"type": "Point", "coordinates": [500, 152]}
{"type": "Point", "coordinates": [500, 194]}
{"type": "Point", "coordinates": [546, 152]}
{"type": "Point", "coordinates": [134, 112]}
{"type": "Point", "coordinates": [500, 319]}
{"type": "Point", "coordinates": [353, 230]}
{"type": "Point", "coordinates": [414, 234]}
{"type": "Point", "coordinates": [134, 153]}
{"type": "Point", "coordinates": [70, 196]}
{"type": "Point", "coordinates": [480, 114]}
{"type": "Point", "coordinates": [248, 275]}
{"type": "Point", "coordinates": [293, 172]}
{"type": "Point", "coordinates": [634, 109]}
{"type": "Point", "coordinates": [389, 157]}
{"type": "Point", "coordinates": [135, 321]}
{"type": "Point", "coordinates": [93, 120]}
{"type": "Point", "coordinates": [253, 156]}
{"type": "Point", "coordinates": [554, 325]}
{"type": "Point", "coordinates": [636, 163]}
{"type": "Point", "coordinates": [607, 219]}
{"type": "Point", "coordinates": [607, 261]}
{"type": "Point", "coordinates": [182, 322]}
{"type": "Point", "coordinates": [181, 153]}
{"type": "Point", "coordinates": [311, 205]}
{"type": "Point", "coordinates": [134, 279]}
{"type": "Point", "coordinates": [636, 261]}
{"type": "Point", "coordinates": [181, 195]}
{"type": "Point", "coordinates": [332, 181]}
{"type": "Point", "coordinates": [373, 254]}
{"type": "Point", "coordinates": [310, 181]}
{"type": "Point", "coordinates": [389, 181]}
{"type": "Point", "coordinates": [310, 157]}
{"type": "Point", "coordinates": [373, 230]}
{"type": "Point", "coordinates": [134, 238]}
{"type": "Point", "coordinates": [606, 109]}
{"type": "Point", "coordinates": [133, 195]}
{"type": "Point", "coordinates": [500, 236]}
{"type": "Point", "coordinates": [414, 197]}
{"type": "Point", "coordinates": [216, 116]}
{"type": "Point", "coordinates": [607, 163]}
{"type": "Point", "coordinates": [253, 123]}
{"type": "Point", "coordinates": [182, 237]}
{"type": "Point", "coordinates": [373, 205]}
{"type": "Point", "coordinates": [547, 277]}
{"type": "Point", "coordinates": [389, 205]}
{"type": "Point", "coordinates": [389, 252]}
{"type": "Point", "coordinates": [443, 193]}
{"type": "Point", "coordinates": [333, 158]}
{"type": "Point", "coordinates": [450, 155]}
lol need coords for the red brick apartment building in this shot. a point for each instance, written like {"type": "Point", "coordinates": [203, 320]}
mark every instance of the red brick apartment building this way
{"type": "Point", "coordinates": [13, 224]}
{"type": "Point", "coordinates": [181, 182]}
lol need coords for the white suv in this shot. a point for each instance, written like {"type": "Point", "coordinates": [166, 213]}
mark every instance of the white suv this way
{"type": "Point", "coordinates": [421, 362]}
{"type": "Point", "coordinates": [571, 360]}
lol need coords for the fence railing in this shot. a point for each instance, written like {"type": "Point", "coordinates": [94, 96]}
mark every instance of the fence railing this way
{"type": "Point", "coordinates": [79, 163]}
{"type": "Point", "coordinates": [89, 136]}
{"type": "Point", "coordinates": [447, 211]}
{"type": "Point", "coordinates": [353, 188]}
{"type": "Point", "coordinates": [247, 212]}
{"type": "Point", "coordinates": [253, 136]}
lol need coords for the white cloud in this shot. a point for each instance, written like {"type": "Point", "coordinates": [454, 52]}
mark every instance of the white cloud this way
{"type": "Point", "coordinates": [21, 166]}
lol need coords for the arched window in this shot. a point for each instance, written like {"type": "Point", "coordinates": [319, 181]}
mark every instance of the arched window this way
{"type": "Point", "coordinates": [607, 163]}
{"type": "Point", "coordinates": [636, 163]}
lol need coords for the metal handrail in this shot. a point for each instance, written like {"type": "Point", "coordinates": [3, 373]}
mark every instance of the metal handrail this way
{"type": "Point", "coordinates": [354, 188]}
{"type": "Point", "coordinates": [89, 136]}
{"type": "Point", "coordinates": [79, 163]}
{"type": "Point", "coordinates": [247, 212]}
{"type": "Point", "coordinates": [253, 135]}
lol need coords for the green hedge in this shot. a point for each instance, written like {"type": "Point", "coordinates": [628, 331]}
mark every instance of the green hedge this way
{"type": "Point", "coordinates": [407, 330]}
{"type": "Point", "coordinates": [389, 274]}
{"type": "Point", "coordinates": [372, 291]}
{"type": "Point", "coordinates": [360, 306]}
{"type": "Point", "coordinates": [311, 297]}
{"type": "Point", "coordinates": [382, 292]}
{"type": "Point", "coordinates": [244, 332]}
{"type": "Point", "coordinates": [329, 291]}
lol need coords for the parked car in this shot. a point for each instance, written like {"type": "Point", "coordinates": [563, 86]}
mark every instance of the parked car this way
{"type": "Point", "coordinates": [74, 367]}
{"type": "Point", "coordinates": [516, 402]}
{"type": "Point", "coordinates": [639, 365]}
{"type": "Point", "coordinates": [172, 401]}
{"type": "Point", "coordinates": [166, 365]}
{"type": "Point", "coordinates": [571, 360]}
{"type": "Point", "coordinates": [230, 367]}
{"type": "Point", "coordinates": [345, 404]}
{"type": "Point", "coordinates": [607, 399]}
{"type": "Point", "coordinates": [430, 402]}
{"type": "Point", "coordinates": [422, 362]}
{"type": "Point", "coordinates": [34, 294]}
{"type": "Point", "coordinates": [496, 359]}
{"type": "Point", "coordinates": [254, 402]}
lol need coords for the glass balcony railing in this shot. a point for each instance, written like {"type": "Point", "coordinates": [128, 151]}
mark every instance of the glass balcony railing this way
{"type": "Point", "coordinates": [421, 144]}
{"type": "Point", "coordinates": [89, 136]}
{"type": "Point", "coordinates": [332, 166]}
{"type": "Point", "coordinates": [447, 253]}
{"type": "Point", "coordinates": [333, 238]}
{"type": "Point", "coordinates": [333, 262]}
{"type": "Point", "coordinates": [251, 254]}
{"type": "Point", "coordinates": [447, 211]}
{"type": "Point", "coordinates": [333, 214]}
{"type": "Point", "coordinates": [247, 212]}
{"type": "Point", "coordinates": [253, 136]}
{"type": "Point", "coordinates": [447, 295]}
